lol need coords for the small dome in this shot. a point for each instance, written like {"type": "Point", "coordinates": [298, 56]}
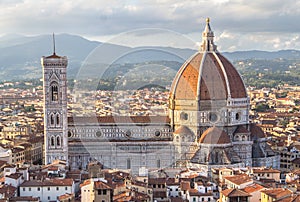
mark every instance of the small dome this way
{"type": "Point", "coordinates": [183, 130]}
{"type": "Point", "coordinates": [207, 75]}
{"type": "Point", "coordinates": [214, 135]}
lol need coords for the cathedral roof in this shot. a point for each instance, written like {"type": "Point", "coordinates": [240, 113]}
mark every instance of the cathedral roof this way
{"type": "Point", "coordinates": [183, 130]}
{"type": "Point", "coordinates": [207, 75]}
{"type": "Point", "coordinates": [241, 129]}
{"type": "Point", "coordinates": [214, 135]}
{"type": "Point", "coordinates": [256, 131]}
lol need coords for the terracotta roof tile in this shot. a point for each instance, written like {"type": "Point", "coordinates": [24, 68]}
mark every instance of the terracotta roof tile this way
{"type": "Point", "coordinates": [277, 193]}
{"type": "Point", "coordinates": [234, 193]}
{"type": "Point", "coordinates": [50, 182]}
{"type": "Point", "coordinates": [253, 188]}
{"type": "Point", "coordinates": [101, 185]}
{"type": "Point", "coordinates": [238, 179]}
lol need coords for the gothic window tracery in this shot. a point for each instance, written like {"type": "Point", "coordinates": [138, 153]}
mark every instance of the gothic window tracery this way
{"type": "Point", "coordinates": [57, 119]}
{"type": "Point", "coordinates": [52, 119]}
{"type": "Point", "coordinates": [54, 91]}
{"type": "Point", "coordinates": [52, 141]}
{"type": "Point", "coordinates": [58, 141]}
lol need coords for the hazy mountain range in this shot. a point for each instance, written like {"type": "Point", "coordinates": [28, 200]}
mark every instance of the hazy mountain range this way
{"type": "Point", "coordinates": [20, 55]}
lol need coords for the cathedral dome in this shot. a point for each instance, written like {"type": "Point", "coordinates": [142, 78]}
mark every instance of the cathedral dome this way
{"type": "Point", "coordinates": [214, 135]}
{"type": "Point", "coordinates": [183, 130]}
{"type": "Point", "coordinates": [207, 75]}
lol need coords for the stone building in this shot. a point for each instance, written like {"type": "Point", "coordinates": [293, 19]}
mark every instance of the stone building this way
{"type": "Point", "coordinates": [207, 125]}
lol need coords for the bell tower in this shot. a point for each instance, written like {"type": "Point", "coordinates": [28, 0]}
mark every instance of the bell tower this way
{"type": "Point", "coordinates": [55, 107]}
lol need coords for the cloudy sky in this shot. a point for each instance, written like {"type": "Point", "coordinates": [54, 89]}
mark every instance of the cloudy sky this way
{"type": "Point", "coordinates": [238, 24]}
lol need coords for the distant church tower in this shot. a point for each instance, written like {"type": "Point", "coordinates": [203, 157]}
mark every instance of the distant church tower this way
{"type": "Point", "coordinates": [55, 107]}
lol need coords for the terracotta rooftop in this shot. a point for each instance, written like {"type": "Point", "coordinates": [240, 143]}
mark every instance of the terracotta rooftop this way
{"type": "Point", "coordinates": [238, 179]}
{"type": "Point", "coordinates": [157, 181]}
{"type": "Point", "coordinates": [14, 175]}
{"type": "Point", "coordinates": [214, 135]}
{"type": "Point", "coordinates": [50, 182]}
{"type": "Point", "coordinates": [277, 193]}
{"type": "Point", "coordinates": [101, 185]}
{"type": "Point", "coordinates": [265, 170]}
{"type": "Point", "coordinates": [8, 190]}
{"type": "Point", "coordinates": [234, 193]}
{"type": "Point", "coordinates": [293, 198]}
{"type": "Point", "coordinates": [253, 188]}
{"type": "Point", "coordinates": [185, 185]}
{"type": "Point", "coordinates": [24, 198]}
{"type": "Point", "coordinates": [66, 196]}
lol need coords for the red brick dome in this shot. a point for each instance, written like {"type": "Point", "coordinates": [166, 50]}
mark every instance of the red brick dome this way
{"type": "Point", "coordinates": [207, 75]}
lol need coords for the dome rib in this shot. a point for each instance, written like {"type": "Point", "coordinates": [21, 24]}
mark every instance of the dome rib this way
{"type": "Point", "coordinates": [224, 73]}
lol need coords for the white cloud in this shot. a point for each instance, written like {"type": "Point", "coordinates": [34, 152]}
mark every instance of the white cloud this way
{"type": "Point", "coordinates": [239, 24]}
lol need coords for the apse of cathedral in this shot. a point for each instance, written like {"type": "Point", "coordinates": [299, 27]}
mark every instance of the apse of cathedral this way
{"type": "Point", "coordinates": [207, 125]}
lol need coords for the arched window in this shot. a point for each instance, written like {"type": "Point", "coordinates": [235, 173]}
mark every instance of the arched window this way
{"type": "Point", "coordinates": [244, 138]}
{"type": "Point", "coordinates": [52, 119]}
{"type": "Point", "coordinates": [52, 142]}
{"type": "Point", "coordinates": [57, 119]}
{"type": "Point", "coordinates": [54, 92]}
{"type": "Point", "coordinates": [58, 141]}
{"type": "Point", "coordinates": [128, 163]}
{"type": "Point", "coordinates": [158, 163]}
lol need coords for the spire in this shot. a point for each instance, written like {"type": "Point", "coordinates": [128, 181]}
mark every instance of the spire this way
{"type": "Point", "coordinates": [208, 38]}
{"type": "Point", "coordinates": [53, 44]}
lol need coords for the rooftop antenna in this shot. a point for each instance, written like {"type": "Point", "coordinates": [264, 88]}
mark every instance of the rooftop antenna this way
{"type": "Point", "coordinates": [53, 44]}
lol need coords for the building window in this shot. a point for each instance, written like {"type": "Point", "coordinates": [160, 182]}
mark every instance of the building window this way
{"type": "Point", "coordinates": [158, 163]}
{"type": "Point", "coordinates": [104, 192]}
{"type": "Point", "coordinates": [54, 92]}
{"type": "Point", "coordinates": [52, 119]}
{"type": "Point", "coordinates": [57, 188]}
{"type": "Point", "coordinates": [48, 188]}
{"type": "Point", "coordinates": [57, 119]}
{"type": "Point", "coordinates": [49, 198]}
{"type": "Point", "coordinates": [58, 141]}
{"type": "Point", "coordinates": [184, 116]}
{"type": "Point", "coordinates": [29, 189]}
{"type": "Point", "coordinates": [66, 188]}
{"type": "Point", "coordinates": [128, 164]}
{"type": "Point", "coordinates": [99, 192]}
{"type": "Point", "coordinates": [38, 189]}
{"type": "Point", "coordinates": [23, 189]}
{"type": "Point", "coordinates": [52, 141]}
